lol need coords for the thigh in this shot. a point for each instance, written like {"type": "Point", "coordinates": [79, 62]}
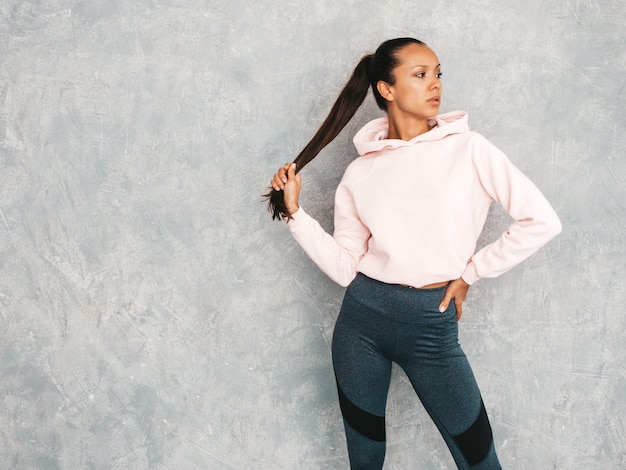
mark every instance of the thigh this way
{"type": "Point", "coordinates": [449, 392]}
{"type": "Point", "coordinates": [445, 384]}
{"type": "Point", "coordinates": [360, 359]}
{"type": "Point", "coordinates": [430, 354]}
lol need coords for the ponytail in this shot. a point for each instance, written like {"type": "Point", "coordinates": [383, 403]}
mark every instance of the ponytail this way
{"type": "Point", "coordinates": [345, 107]}
{"type": "Point", "coordinates": [371, 69]}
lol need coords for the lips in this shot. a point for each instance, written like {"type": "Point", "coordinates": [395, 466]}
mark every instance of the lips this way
{"type": "Point", "coordinates": [434, 100]}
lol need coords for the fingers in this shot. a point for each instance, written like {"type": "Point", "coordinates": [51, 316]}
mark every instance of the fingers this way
{"type": "Point", "coordinates": [280, 178]}
{"type": "Point", "coordinates": [443, 306]}
{"type": "Point", "coordinates": [291, 171]}
{"type": "Point", "coordinates": [456, 290]}
{"type": "Point", "coordinates": [459, 308]}
{"type": "Point", "coordinates": [278, 181]}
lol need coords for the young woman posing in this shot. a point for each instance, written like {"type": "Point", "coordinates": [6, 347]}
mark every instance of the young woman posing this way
{"type": "Point", "coordinates": [408, 213]}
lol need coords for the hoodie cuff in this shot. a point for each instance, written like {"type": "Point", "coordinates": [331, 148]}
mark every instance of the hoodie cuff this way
{"type": "Point", "coordinates": [470, 275]}
{"type": "Point", "coordinates": [294, 215]}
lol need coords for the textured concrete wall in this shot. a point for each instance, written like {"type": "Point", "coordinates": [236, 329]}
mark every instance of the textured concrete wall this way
{"type": "Point", "coordinates": [151, 314]}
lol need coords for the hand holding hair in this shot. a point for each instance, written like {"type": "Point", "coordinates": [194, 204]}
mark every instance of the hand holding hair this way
{"type": "Point", "coordinates": [287, 181]}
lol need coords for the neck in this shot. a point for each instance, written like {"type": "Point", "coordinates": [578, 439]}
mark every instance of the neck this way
{"type": "Point", "coordinates": [406, 128]}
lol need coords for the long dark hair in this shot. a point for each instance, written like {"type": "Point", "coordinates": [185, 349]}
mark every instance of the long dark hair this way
{"type": "Point", "coordinates": [371, 69]}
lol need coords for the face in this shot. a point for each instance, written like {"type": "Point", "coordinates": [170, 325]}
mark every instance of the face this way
{"type": "Point", "coordinates": [417, 88]}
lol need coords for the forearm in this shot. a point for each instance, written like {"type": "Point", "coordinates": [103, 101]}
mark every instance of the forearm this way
{"type": "Point", "coordinates": [337, 262]}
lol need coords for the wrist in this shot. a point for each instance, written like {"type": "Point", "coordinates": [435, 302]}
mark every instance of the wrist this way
{"type": "Point", "coordinates": [291, 209]}
{"type": "Point", "coordinates": [470, 275]}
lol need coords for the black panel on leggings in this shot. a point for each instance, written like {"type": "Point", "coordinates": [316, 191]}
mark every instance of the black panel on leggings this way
{"type": "Point", "coordinates": [365, 423]}
{"type": "Point", "coordinates": [476, 441]}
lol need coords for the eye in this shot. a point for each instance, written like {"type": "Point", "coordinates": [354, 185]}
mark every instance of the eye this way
{"type": "Point", "coordinates": [420, 74]}
{"type": "Point", "coordinates": [439, 75]}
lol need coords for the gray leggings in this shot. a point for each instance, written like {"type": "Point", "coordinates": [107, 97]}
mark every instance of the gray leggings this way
{"type": "Point", "coordinates": [380, 323]}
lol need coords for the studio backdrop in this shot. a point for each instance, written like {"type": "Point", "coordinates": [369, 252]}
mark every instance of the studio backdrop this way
{"type": "Point", "coordinates": [152, 316]}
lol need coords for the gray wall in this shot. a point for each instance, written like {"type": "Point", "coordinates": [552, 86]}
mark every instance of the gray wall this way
{"type": "Point", "coordinates": [152, 315]}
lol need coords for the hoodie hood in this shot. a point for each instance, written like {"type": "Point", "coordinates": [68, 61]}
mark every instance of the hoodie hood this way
{"type": "Point", "coordinates": [373, 136]}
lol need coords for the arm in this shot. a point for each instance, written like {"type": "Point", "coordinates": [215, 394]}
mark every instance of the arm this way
{"type": "Point", "coordinates": [337, 255]}
{"type": "Point", "coordinates": [535, 222]}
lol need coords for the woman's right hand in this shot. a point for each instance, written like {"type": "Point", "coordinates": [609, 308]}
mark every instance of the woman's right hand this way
{"type": "Point", "coordinates": [289, 182]}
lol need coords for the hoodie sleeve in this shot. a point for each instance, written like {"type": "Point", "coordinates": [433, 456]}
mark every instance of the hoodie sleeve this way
{"type": "Point", "coordinates": [535, 221]}
{"type": "Point", "coordinates": [337, 255]}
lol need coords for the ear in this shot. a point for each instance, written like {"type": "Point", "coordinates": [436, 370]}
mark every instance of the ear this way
{"type": "Point", "coordinates": [385, 90]}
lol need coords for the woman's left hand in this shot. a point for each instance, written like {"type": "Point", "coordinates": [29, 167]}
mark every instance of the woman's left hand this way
{"type": "Point", "coordinates": [456, 290]}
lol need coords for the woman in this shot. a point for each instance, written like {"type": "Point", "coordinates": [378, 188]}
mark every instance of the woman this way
{"type": "Point", "coordinates": [408, 213]}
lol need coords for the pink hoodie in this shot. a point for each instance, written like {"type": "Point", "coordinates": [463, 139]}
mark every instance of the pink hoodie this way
{"type": "Point", "coordinates": [410, 212]}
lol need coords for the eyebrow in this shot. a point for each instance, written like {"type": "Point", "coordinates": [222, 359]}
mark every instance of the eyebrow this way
{"type": "Point", "coordinates": [425, 66]}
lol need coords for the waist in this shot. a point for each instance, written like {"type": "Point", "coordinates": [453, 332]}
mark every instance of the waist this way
{"type": "Point", "coordinates": [436, 285]}
{"type": "Point", "coordinates": [396, 302]}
